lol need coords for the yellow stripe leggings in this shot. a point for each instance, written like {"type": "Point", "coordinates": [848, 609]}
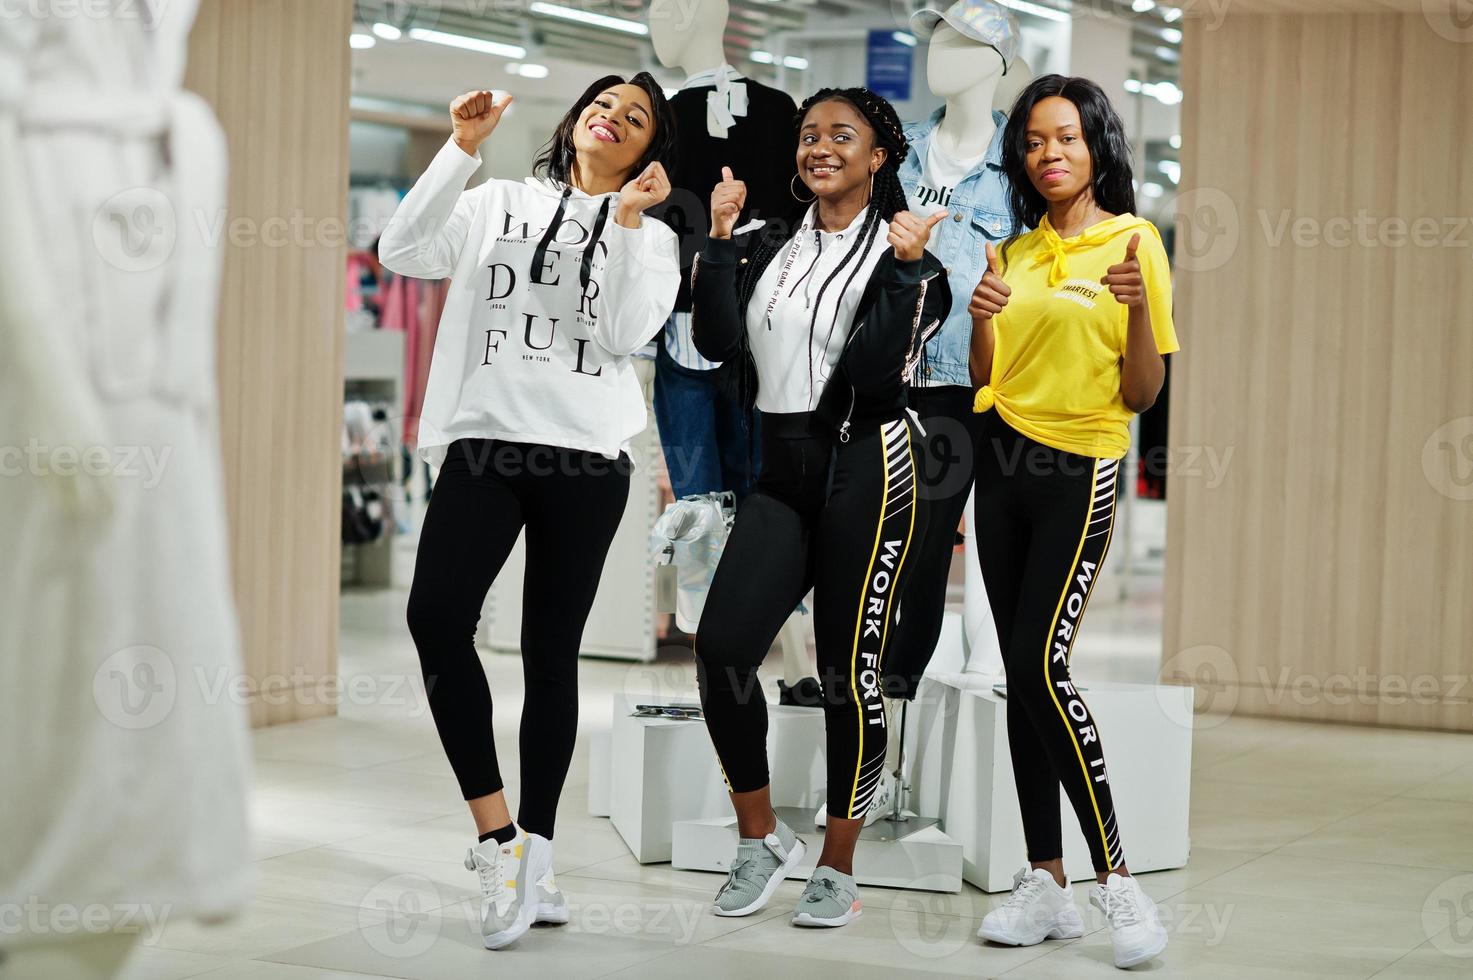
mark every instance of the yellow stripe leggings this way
{"type": "Point", "coordinates": [838, 518]}
{"type": "Point", "coordinates": [1044, 519]}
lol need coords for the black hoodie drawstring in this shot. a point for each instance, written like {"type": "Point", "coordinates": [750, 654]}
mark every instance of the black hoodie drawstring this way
{"type": "Point", "coordinates": [585, 270]}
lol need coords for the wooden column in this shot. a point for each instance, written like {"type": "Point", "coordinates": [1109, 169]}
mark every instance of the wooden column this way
{"type": "Point", "coordinates": [277, 74]}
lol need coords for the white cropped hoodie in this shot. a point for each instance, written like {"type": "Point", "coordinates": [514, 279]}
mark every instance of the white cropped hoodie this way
{"type": "Point", "coordinates": [548, 298]}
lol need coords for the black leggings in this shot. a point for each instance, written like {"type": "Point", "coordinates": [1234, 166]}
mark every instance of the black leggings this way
{"type": "Point", "coordinates": [839, 518]}
{"type": "Point", "coordinates": [946, 468]}
{"type": "Point", "coordinates": [1044, 519]}
{"type": "Point", "coordinates": [570, 503]}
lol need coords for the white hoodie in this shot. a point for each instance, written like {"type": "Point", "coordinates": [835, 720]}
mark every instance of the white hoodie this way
{"type": "Point", "coordinates": [535, 339]}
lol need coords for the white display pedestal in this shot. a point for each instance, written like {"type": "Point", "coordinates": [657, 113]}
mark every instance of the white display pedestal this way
{"type": "Point", "coordinates": [961, 772]}
{"type": "Point", "coordinates": [665, 770]}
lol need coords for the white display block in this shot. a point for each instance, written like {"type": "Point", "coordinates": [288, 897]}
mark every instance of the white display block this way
{"type": "Point", "coordinates": [927, 860]}
{"type": "Point", "coordinates": [962, 773]}
{"type": "Point", "coordinates": [621, 623]}
{"type": "Point", "coordinates": [665, 770]}
{"type": "Point", "coordinates": [600, 755]}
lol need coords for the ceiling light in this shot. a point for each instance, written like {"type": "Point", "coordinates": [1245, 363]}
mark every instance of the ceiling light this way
{"type": "Point", "coordinates": [761, 57]}
{"type": "Point", "coordinates": [360, 41]}
{"type": "Point", "coordinates": [1142, 6]}
{"type": "Point", "coordinates": [905, 38]}
{"type": "Point", "coordinates": [1023, 6]}
{"type": "Point", "coordinates": [1172, 14]}
{"type": "Point", "coordinates": [1172, 35]}
{"type": "Point", "coordinates": [796, 63]}
{"type": "Point", "coordinates": [586, 17]}
{"type": "Point", "coordinates": [1165, 53]}
{"type": "Point", "coordinates": [1152, 189]}
{"type": "Point", "coordinates": [468, 43]}
{"type": "Point", "coordinates": [527, 69]}
{"type": "Point", "coordinates": [1132, 85]}
{"type": "Point", "coordinates": [1175, 141]}
{"type": "Point", "coordinates": [387, 31]}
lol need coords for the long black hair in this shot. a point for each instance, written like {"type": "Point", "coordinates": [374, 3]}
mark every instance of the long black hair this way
{"type": "Point", "coordinates": [1104, 135]}
{"type": "Point", "coordinates": [556, 158]}
{"type": "Point", "coordinates": [888, 198]}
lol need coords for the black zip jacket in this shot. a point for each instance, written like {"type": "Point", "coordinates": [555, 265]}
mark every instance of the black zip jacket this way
{"type": "Point", "coordinates": [903, 305]}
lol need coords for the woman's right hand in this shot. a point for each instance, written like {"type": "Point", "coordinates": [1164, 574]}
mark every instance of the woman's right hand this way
{"type": "Point", "coordinates": [727, 201]}
{"type": "Point", "coordinates": [474, 115]}
{"type": "Point", "coordinates": [991, 294]}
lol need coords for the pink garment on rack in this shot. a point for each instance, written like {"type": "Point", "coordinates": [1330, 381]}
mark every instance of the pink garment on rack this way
{"type": "Point", "coordinates": [358, 264]}
{"type": "Point", "coordinates": [400, 310]}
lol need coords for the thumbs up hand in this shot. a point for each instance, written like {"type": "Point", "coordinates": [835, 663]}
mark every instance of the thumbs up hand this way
{"type": "Point", "coordinates": [1124, 279]}
{"type": "Point", "coordinates": [909, 234]}
{"type": "Point", "coordinates": [991, 294]}
{"type": "Point", "coordinates": [727, 200]}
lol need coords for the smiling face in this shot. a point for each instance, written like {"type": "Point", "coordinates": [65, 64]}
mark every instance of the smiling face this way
{"type": "Point", "coordinates": [836, 149]}
{"type": "Point", "coordinates": [617, 127]}
{"type": "Point", "coordinates": [1058, 160]}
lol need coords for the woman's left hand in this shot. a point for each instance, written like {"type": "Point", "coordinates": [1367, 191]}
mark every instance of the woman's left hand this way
{"type": "Point", "coordinates": [643, 192]}
{"type": "Point", "coordinates": [910, 233]}
{"type": "Point", "coordinates": [1124, 280]}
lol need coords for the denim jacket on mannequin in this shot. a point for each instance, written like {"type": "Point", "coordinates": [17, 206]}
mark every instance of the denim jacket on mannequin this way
{"type": "Point", "coordinates": [979, 214]}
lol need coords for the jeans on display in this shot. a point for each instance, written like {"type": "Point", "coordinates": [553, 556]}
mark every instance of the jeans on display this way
{"type": "Point", "coordinates": [702, 432]}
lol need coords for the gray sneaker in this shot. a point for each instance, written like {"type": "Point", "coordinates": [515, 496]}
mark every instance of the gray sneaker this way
{"type": "Point", "coordinates": [508, 876]}
{"type": "Point", "coordinates": [831, 898]}
{"type": "Point", "coordinates": [760, 866]}
{"type": "Point", "coordinates": [552, 904]}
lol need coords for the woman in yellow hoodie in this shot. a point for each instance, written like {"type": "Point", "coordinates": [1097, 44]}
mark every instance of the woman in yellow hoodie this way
{"type": "Point", "coordinates": [1070, 323]}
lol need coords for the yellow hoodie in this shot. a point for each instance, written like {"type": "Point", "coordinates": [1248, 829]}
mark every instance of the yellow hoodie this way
{"type": "Point", "coordinates": [1059, 341]}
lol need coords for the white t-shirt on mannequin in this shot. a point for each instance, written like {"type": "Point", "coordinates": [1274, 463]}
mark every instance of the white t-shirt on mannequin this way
{"type": "Point", "coordinates": [939, 178]}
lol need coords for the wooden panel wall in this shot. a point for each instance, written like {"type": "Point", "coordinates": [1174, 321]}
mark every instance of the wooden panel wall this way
{"type": "Point", "coordinates": [1328, 346]}
{"type": "Point", "coordinates": [277, 74]}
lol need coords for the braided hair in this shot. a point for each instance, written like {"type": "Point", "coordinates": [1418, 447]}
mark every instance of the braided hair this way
{"type": "Point", "coordinates": [887, 198]}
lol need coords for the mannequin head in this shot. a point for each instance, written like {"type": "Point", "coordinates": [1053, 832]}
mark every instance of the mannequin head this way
{"type": "Point", "coordinates": [687, 33]}
{"type": "Point", "coordinates": [956, 64]}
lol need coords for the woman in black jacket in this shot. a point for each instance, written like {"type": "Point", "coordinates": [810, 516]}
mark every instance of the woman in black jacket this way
{"type": "Point", "coordinates": [822, 326]}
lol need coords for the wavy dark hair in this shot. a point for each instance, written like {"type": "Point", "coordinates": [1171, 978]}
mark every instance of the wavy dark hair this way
{"type": "Point", "coordinates": [1104, 136]}
{"type": "Point", "coordinates": [556, 157]}
{"type": "Point", "coordinates": [888, 198]}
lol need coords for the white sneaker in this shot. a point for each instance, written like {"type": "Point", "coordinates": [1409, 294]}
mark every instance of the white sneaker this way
{"type": "Point", "coordinates": [552, 904]}
{"type": "Point", "coordinates": [509, 874]}
{"type": "Point", "coordinates": [880, 806]}
{"type": "Point", "coordinates": [1038, 909]}
{"type": "Point", "coordinates": [1136, 931]}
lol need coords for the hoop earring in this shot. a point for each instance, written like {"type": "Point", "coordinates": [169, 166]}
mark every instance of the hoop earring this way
{"type": "Point", "coordinates": [793, 189]}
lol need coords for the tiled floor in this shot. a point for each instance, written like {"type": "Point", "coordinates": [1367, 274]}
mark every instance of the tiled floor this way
{"type": "Point", "coordinates": [1317, 850]}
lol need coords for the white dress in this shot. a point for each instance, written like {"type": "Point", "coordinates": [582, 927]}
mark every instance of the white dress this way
{"type": "Point", "coordinates": [123, 755]}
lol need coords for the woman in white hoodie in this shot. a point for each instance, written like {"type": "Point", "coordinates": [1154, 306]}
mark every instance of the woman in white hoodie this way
{"type": "Point", "coordinates": [531, 405]}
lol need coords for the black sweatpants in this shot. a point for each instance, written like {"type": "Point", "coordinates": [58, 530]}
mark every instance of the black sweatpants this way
{"type": "Point", "coordinates": [1044, 518]}
{"type": "Point", "coordinates": [570, 503]}
{"type": "Point", "coordinates": [946, 467]}
{"type": "Point", "coordinates": [837, 517]}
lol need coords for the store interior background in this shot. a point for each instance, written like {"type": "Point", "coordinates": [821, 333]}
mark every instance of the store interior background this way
{"type": "Point", "coordinates": [1312, 547]}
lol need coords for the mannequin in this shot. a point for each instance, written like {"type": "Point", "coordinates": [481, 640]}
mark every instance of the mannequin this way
{"type": "Point", "coordinates": [956, 166]}
{"type": "Point", "coordinates": [116, 618]}
{"type": "Point", "coordinates": [726, 120]}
